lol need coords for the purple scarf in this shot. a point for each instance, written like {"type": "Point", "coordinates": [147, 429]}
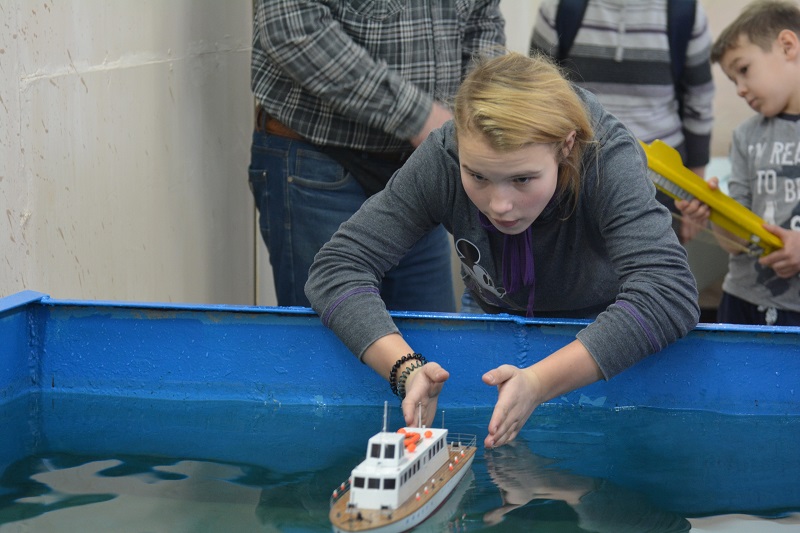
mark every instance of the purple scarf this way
{"type": "Point", "coordinates": [518, 269]}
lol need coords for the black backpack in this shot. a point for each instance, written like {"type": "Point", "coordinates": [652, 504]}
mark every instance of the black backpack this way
{"type": "Point", "coordinates": [680, 21]}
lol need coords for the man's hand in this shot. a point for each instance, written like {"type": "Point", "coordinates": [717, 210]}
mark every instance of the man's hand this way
{"type": "Point", "coordinates": [439, 115]}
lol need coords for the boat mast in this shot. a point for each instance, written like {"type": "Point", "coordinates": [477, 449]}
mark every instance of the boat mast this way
{"type": "Point", "coordinates": [385, 415]}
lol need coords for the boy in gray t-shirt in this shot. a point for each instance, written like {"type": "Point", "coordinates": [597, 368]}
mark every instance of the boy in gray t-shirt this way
{"type": "Point", "coordinates": [760, 53]}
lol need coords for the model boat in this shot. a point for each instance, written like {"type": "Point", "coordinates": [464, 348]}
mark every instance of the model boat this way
{"type": "Point", "coordinates": [404, 478]}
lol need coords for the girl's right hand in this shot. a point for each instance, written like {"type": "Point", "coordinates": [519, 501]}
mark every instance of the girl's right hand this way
{"type": "Point", "coordinates": [423, 386]}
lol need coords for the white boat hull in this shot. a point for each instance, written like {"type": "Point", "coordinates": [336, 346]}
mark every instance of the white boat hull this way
{"type": "Point", "coordinates": [423, 512]}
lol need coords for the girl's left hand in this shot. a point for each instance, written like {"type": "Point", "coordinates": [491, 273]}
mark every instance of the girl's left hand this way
{"type": "Point", "coordinates": [518, 390]}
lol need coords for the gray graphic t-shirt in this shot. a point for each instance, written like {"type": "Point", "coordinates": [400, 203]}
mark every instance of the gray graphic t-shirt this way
{"type": "Point", "coordinates": [765, 178]}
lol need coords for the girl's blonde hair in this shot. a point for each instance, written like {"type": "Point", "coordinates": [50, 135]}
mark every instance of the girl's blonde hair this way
{"type": "Point", "coordinates": [515, 100]}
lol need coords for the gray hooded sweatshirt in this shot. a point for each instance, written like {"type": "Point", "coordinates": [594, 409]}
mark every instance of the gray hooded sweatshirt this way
{"type": "Point", "coordinates": [612, 256]}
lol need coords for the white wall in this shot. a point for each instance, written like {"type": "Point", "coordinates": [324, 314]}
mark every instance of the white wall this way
{"type": "Point", "coordinates": [125, 143]}
{"type": "Point", "coordinates": [125, 148]}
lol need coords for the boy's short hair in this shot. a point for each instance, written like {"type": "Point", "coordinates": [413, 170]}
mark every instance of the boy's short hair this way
{"type": "Point", "coordinates": [760, 22]}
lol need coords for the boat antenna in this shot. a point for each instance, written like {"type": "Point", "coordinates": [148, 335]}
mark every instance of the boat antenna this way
{"type": "Point", "coordinates": [442, 418]}
{"type": "Point", "coordinates": [419, 415]}
{"type": "Point", "coordinates": [385, 415]}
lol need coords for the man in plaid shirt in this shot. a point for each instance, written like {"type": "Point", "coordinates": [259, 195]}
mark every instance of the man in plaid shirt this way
{"type": "Point", "coordinates": [345, 90]}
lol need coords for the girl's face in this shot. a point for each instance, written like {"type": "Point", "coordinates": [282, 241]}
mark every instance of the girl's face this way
{"type": "Point", "coordinates": [510, 188]}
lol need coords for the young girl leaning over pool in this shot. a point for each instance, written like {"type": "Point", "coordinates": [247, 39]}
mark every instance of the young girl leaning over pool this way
{"type": "Point", "coordinates": [553, 215]}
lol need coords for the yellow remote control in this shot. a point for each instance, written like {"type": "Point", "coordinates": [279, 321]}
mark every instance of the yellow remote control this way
{"type": "Point", "coordinates": [671, 177]}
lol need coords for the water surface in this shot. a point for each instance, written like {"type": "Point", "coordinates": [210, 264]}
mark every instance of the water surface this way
{"type": "Point", "coordinates": [86, 463]}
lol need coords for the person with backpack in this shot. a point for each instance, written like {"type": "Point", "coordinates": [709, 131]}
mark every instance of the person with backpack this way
{"type": "Point", "coordinates": [648, 63]}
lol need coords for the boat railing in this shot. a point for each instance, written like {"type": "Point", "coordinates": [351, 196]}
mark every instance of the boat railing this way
{"type": "Point", "coordinates": [461, 439]}
{"type": "Point", "coordinates": [340, 491]}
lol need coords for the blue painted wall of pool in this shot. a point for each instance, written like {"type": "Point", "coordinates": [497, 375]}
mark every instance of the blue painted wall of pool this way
{"type": "Point", "coordinates": [285, 355]}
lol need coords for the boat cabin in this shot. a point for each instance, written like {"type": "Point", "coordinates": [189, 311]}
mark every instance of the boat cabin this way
{"type": "Point", "coordinates": [397, 466]}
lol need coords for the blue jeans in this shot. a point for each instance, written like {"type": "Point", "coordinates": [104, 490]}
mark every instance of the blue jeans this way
{"type": "Point", "coordinates": [469, 305]}
{"type": "Point", "coordinates": [302, 197]}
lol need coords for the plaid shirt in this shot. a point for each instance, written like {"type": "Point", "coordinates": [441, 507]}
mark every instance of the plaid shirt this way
{"type": "Point", "coordinates": [364, 75]}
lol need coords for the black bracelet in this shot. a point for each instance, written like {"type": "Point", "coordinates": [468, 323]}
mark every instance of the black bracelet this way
{"type": "Point", "coordinates": [397, 364]}
{"type": "Point", "coordinates": [401, 381]}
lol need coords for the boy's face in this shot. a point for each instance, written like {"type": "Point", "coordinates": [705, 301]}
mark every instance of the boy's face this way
{"type": "Point", "coordinates": [765, 79]}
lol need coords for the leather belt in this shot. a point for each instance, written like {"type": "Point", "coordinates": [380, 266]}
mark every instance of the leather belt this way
{"type": "Point", "coordinates": [267, 124]}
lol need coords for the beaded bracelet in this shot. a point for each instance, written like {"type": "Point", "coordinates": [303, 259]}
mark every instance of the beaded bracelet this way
{"type": "Point", "coordinates": [401, 381]}
{"type": "Point", "coordinates": [397, 365]}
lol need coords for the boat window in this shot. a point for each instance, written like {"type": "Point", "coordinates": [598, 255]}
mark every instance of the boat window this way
{"type": "Point", "coordinates": [375, 451]}
{"type": "Point", "coordinates": [389, 451]}
{"type": "Point", "coordinates": [358, 482]}
{"type": "Point", "coordinates": [388, 484]}
{"type": "Point", "coordinates": [374, 483]}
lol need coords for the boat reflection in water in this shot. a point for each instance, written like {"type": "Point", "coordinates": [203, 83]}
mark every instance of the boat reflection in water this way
{"type": "Point", "coordinates": [527, 482]}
